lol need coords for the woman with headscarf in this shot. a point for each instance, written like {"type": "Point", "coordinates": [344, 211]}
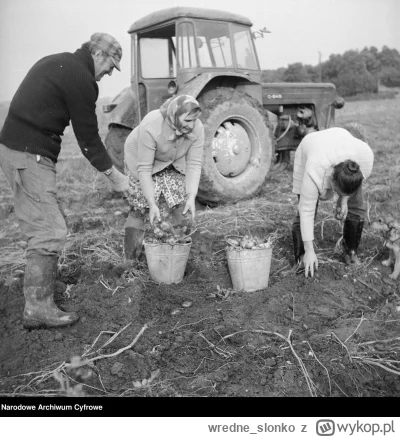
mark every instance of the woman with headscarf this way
{"type": "Point", "coordinates": [163, 159]}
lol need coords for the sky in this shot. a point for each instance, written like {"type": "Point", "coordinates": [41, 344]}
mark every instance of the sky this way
{"type": "Point", "coordinates": [301, 30]}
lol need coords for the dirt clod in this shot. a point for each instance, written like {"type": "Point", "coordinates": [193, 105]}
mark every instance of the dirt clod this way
{"type": "Point", "coordinates": [116, 368]}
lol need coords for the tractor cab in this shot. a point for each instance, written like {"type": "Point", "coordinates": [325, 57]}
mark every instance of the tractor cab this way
{"type": "Point", "coordinates": [173, 46]}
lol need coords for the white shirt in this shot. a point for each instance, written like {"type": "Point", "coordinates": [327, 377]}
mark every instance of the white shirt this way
{"type": "Point", "coordinates": [314, 160]}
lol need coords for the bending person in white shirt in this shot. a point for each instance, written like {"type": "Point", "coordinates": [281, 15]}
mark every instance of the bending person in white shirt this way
{"type": "Point", "coordinates": [328, 161]}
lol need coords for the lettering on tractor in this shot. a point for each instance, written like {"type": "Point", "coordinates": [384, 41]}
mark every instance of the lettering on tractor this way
{"type": "Point", "coordinates": [250, 126]}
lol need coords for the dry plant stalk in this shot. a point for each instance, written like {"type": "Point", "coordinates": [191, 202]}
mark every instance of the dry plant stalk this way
{"type": "Point", "coordinates": [326, 370]}
{"type": "Point", "coordinates": [61, 367]}
{"type": "Point", "coordinates": [119, 351]}
{"type": "Point", "coordinates": [310, 384]}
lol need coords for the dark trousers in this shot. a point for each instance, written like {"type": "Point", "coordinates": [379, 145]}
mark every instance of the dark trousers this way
{"type": "Point", "coordinates": [355, 204]}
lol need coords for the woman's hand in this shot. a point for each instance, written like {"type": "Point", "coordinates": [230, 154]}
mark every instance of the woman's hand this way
{"type": "Point", "coordinates": [310, 260]}
{"type": "Point", "coordinates": [154, 213]}
{"type": "Point", "coordinates": [190, 205]}
{"type": "Point", "coordinates": [342, 208]}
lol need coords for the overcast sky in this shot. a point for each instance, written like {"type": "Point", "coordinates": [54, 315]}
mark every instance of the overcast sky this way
{"type": "Point", "coordinates": [31, 29]}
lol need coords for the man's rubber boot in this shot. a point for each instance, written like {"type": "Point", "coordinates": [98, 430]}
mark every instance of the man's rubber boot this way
{"type": "Point", "coordinates": [352, 231]}
{"type": "Point", "coordinates": [39, 285]}
{"type": "Point", "coordinates": [133, 243]}
{"type": "Point", "coordinates": [298, 245]}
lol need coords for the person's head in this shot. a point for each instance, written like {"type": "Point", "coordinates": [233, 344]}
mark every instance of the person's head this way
{"type": "Point", "coordinates": [181, 113]}
{"type": "Point", "coordinates": [106, 52]}
{"type": "Point", "coordinates": [347, 177]}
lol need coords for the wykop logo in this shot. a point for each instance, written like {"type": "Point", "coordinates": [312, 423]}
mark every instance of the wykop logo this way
{"type": "Point", "coordinates": [325, 427]}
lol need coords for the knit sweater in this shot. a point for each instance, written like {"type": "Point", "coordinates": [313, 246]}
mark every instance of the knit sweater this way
{"type": "Point", "coordinates": [314, 160]}
{"type": "Point", "coordinates": [58, 89]}
{"type": "Point", "coordinates": [153, 146]}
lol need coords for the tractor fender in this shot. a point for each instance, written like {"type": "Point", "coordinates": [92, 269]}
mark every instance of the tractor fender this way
{"type": "Point", "coordinates": [122, 110]}
{"type": "Point", "coordinates": [195, 86]}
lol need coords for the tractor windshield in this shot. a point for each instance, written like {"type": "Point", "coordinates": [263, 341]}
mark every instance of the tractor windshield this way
{"type": "Point", "coordinates": [244, 48]}
{"type": "Point", "coordinates": [214, 45]}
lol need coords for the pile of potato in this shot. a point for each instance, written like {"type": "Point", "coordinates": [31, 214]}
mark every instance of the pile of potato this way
{"type": "Point", "coordinates": [165, 232]}
{"type": "Point", "coordinates": [246, 243]}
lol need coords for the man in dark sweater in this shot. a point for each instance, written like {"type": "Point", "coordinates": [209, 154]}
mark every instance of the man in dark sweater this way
{"type": "Point", "coordinates": [57, 90]}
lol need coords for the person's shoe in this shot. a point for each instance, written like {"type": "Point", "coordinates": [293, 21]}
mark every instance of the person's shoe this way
{"type": "Point", "coordinates": [352, 231]}
{"type": "Point", "coordinates": [39, 284]}
{"type": "Point", "coordinates": [351, 258]}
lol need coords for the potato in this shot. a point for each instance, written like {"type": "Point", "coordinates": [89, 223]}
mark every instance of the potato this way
{"type": "Point", "coordinates": [158, 233]}
{"type": "Point", "coordinates": [164, 214]}
{"type": "Point", "coordinates": [165, 226]}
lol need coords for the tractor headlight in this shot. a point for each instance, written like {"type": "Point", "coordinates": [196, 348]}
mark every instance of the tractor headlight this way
{"type": "Point", "coordinates": [338, 103]}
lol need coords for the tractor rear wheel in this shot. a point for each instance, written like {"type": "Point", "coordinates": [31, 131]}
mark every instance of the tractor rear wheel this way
{"type": "Point", "coordinates": [114, 143]}
{"type": "Point", "coordinates": [238, 146]}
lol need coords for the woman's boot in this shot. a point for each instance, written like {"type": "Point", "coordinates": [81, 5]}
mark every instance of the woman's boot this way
{"type": "Point", "coordinates": [39, 285]}
{"type": "Point", "coordinates": [133, 239]}
{"type": "Point", "coordinates": [133, 243]}
{"type": "Point", "coordinates": [352, 231]}
{"type": "Point", "coordinates": [298, 245]}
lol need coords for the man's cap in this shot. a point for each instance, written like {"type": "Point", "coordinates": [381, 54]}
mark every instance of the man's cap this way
{"type": "Point", "coordinates": [109, 45]}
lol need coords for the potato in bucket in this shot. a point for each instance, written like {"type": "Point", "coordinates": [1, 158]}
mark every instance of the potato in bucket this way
{"type": "Point", "coordinates": [249, 262]}
{"type": "Point", "coordinates": [167, 252]}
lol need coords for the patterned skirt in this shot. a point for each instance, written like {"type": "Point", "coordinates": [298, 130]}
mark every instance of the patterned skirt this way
{"type": "Point", "coordinates": [169, 191]}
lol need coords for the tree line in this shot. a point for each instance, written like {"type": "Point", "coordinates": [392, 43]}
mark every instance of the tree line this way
{"type": "Point", "coordinates": [352, 73]}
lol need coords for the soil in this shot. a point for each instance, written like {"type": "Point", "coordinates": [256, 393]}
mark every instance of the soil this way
{"type": "Point", "coordinates": [333, 335]}
{"type": "Point", "coordinates": [298, 337]}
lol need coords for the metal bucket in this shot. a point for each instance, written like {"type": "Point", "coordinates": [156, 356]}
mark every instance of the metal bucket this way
{"type": "Point", "coordinates": [167, 263]}
{"type": "Point", "coordinates": [249, 269]}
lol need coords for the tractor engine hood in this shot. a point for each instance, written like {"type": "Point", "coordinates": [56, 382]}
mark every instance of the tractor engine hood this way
{"type": "Point", "coordinates": [287, 93]}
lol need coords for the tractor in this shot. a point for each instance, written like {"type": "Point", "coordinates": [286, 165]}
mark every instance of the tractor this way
{"type": "Point", "coordinates": [250, 127]}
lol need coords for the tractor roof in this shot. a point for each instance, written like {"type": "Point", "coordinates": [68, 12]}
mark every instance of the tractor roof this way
{"type": "Point", "coordinates": [165, 15]}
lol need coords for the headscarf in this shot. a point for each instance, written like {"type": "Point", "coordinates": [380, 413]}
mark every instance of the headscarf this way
{"type": "Point", "coordinates": [174, 107]}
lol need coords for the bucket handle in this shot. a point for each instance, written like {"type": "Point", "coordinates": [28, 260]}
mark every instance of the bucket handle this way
{"type": "Point", "coordinates": [188, 235]}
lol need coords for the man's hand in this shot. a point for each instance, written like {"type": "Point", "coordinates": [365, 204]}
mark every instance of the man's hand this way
{"type": "Point", "coordinates": [119, 181]}
{"type": "Point", "coordinates": [341, 208]}
{"type": "Point", "coordinates": [190, 205]}
{"type": "Point", "coordinates": [310, 260]}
